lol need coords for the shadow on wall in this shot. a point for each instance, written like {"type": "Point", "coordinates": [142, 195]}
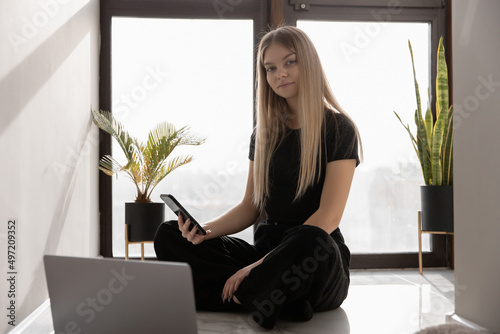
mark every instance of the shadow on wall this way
{"type": "Point", "coordinates": [60, 213]}
{"type": "Point", "coordinates": [19, 86]}
{"type": "Point", "coordinates": [25, 80]}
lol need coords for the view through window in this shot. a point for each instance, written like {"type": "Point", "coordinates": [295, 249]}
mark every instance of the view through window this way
{"type": "Point", "coordinates": [199, 73]}
{"type": "Point", "coordinates": [196, 73]}
{"type": "Point", "coordinates": [368, 66]}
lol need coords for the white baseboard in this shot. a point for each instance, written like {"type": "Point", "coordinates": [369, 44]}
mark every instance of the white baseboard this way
{"type": "Point", "coordinates": [39, 321]}
{"type": "Point", "coordinates": [453, 318]}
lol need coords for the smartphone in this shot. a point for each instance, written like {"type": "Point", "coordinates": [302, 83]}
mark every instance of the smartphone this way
{"type": "Point", "coordinates": [177, 208]}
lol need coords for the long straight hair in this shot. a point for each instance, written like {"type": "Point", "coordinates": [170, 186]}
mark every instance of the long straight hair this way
{"type": "Point", "coordinates": [314, 97]}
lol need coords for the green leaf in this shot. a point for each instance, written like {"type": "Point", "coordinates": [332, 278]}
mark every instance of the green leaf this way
{"type": "Point", "coordinates": [447, 152]}
{"type": "Point", "coordinates": [442, 94]}
{"type": "Point", "coordinates": [407, 127]}
{"type": "Point", "coordinates": [106, 122]}
{"type": "Point", "coordinates": [417, 91]}
{"type": "Point", "coordinates": [109, 165]}
{"type": "Point", "coordinates": [423, 137]}
{"type": "Point", "coordinates": [433, 141]}
{"type": "Point", "coordinates": [437, 142]}
{"type": "Point", "coordinates": [146, 163]}
{"type": "Point", "coordinates": [429, 121]}
{"type": "Point", "coordinates": [167, 168]}
{"type": "Point", "coordinates": [423, 148]}
{"type": "Point", "coordinates": [443, 125]}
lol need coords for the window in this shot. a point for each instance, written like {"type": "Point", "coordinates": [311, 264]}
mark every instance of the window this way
{"type": "Point", "coordinates": [371, 78]}
{"type": "Point", "coordinates": [189, 63]}
{"type": "Point", "coordinates": [197, 73]}
{"type": "Point", "coordinates": [363, 46]}
{"type": "Point", "coordinates": [370, 29]}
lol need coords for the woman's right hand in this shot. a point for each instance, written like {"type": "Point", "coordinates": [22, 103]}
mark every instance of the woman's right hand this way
{"type": "Point", "coordinates": [191, 236]}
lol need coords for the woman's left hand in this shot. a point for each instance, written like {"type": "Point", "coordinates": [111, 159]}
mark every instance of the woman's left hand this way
{"type": "Point", "coordinates": [234, 282]}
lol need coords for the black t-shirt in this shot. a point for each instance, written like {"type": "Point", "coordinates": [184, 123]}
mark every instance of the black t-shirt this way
{"type": "Point", "coordinates": [284, 169]}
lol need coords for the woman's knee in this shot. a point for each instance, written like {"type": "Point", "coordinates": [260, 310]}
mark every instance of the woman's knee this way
{"type": "Point", "coordinates": [165, 229]}
{"type": "Point", "coordinates": [313, 241]}
{"type": "Point", "coordinates": [166, 240]}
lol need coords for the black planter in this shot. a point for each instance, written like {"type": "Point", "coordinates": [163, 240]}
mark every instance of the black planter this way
{"type": "Point", "coordinates": [143, 219]}
{"type": "Point", "coordinates": [437, 208]}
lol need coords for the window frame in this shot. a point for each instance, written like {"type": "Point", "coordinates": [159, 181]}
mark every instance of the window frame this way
{"type": "Point", "coordinates": [171, 9]}
{"type": "Point", "coordinates": [435, 12]}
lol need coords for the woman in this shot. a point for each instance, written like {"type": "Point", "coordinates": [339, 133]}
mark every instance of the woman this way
{"type": "Point", "coordinates": [303, 153]}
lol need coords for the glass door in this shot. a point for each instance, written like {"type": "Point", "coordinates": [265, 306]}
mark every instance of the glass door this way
{"type": "Point", "coordinates": [190, 72]}
{"type": "Point", "coordinates": [371, 76]}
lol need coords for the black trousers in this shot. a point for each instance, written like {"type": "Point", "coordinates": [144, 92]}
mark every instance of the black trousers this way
{"type": "Point", "coordinates": [306, 269]}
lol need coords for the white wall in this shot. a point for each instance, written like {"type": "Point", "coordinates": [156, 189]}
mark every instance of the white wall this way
{"type": "Point", "coordinates": [49, 52]}
{"type": "Point", "coordinates": [476, 60]}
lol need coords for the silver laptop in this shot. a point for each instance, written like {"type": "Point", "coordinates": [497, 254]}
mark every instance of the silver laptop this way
{"type": "Point", "coordinates": [104, 296]}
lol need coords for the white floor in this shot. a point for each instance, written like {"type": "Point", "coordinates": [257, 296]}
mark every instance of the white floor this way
{"type": "Point", "coordinates": [388, 302]}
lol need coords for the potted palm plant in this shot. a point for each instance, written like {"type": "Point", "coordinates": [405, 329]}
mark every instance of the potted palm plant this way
{"type": "Point", "coordinates": [146, 165]}
{"type": "Point", "coordinates": [433, 143]}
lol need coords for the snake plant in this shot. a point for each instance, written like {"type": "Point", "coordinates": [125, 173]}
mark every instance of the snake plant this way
{"type": "Point", "coordinates": [146, 163]}
{"type": "Point", "coordinates": [433, 140]}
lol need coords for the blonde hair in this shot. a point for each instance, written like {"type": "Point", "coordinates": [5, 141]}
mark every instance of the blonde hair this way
{"type": "Point", "coordinates": [314, 97]}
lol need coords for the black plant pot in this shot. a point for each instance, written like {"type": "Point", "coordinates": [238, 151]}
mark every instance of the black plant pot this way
{"type": "Point", "coordinates": [143, 219]}
{"type": "Point", "coordinates": [437, 208]}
